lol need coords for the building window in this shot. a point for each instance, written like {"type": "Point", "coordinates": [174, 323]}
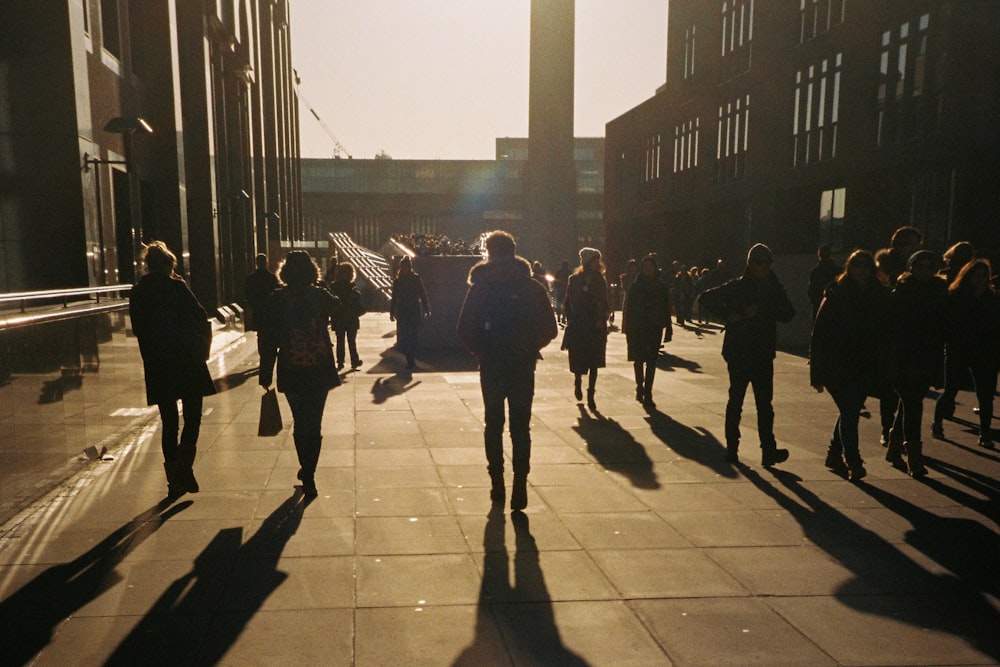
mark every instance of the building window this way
{"type": "Point", "coordinates": [653, 155]}
{"type": "Point", "coordinates": [86, 16]}
{"type": "Point", "coordinates": [901, 110]}
{"type": "Point", "coordinates": [689, 48]}
{"type": "Point", "coordinates": [818, 16]}
{"type": "Point", "coordinates": [110, 37]}
{"type": "Point", "coordinates": [732, 139]}
{"type": "Point", "coordinates": [817, 111]}
{"type": "Point", "coordinates": [831, 218]}
{"type": "Point", "coordinates": [686, 137]}
{"type": "Point", "coordinates": [737, 33]}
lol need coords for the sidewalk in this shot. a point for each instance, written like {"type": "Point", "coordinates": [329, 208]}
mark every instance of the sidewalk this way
{"type": "Point", "coordinates": [640, 546]}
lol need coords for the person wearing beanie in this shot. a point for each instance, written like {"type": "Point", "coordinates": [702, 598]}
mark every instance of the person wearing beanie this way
{"type": "Point", "coordinates": [751, 305]}
{"type": "Point", "coordinates": [505, 321]}
{"type": "Point", "coordinates": [587, 310]}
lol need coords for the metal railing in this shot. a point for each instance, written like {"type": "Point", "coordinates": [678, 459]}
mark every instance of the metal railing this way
{"type": "Point", "coordinates": [20, 309]}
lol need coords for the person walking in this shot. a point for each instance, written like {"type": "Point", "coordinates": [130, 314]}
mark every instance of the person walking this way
{"type": "Point", "coordinates": [972, 340]}
{"type": "Point", "coordinates": [505, 321]}
{"type": "Point", "coordinates": [559, 290]}
{"type": "Point", "coordinates": [847, 336]}
{"type": "Point", "coordinates": [587, 311]}
{"type": "Point", "coordinates": [916, 331]}
{"type": "Point", "coordinates": [175, 339]}
{"type": "Point", "coordinates": [348, 319]}
{"type": "Point", "coordinates": [751, 305]}
{"type": "Point", "coordinates": [407, 307]}
{"type": "Point", "coordinates": [820, 277]}
{"type": "Point", "coordinates": [257, 288]}
{"type": "Point", "coordinates": [645, 316]}
{"type": "Point", "coordinates": [295, 335]}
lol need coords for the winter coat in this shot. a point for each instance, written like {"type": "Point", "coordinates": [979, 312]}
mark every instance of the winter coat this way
{"type": "Point", "coordinates": [499, 338]}
{"type": "Point", "coordinates": [972, 328]}
{"type": "Point", "coordinates": [174, 336]}
{"type": "Point", "coordinates": [257, 288]}
{"type": "Point", "coordinates": [848, 337]}
{"type": "Point", "coordinates": [349, 316]}
{"type": "Point", "coordinates": [916, 332]}
{"type": "Point", "coordinates": [750, 339]}
{"type": "Point", "coordinates": [587, 310]}
{"type": "Point", "coordinates": [645, 315]}
{"type": "Point", "coordinates": [295, 333]}
{"type": "Point", "coordinates": [409, 299]}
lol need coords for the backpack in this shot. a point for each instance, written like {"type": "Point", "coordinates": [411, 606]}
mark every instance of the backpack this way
{"type": "Point", "coordinates": [508, 324]}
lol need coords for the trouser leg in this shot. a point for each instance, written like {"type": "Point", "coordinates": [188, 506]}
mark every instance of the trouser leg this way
{"type": "Point", "coordinates": [986, 386]}
{"type": "Point", "coordinates": [739, 380]}
{"type": "Point", "coordinates": [341, 335]}
{"type": "Point", "coordinates": [494, 395]}
{"type": "Point", "coordinates": [352, 345]}
{"type": "Point", "coordinates": [762, 380]}
{"type": "Point", "coordinates": [519, 398]}
{"type": "Point", "coordinates": [170, 423]}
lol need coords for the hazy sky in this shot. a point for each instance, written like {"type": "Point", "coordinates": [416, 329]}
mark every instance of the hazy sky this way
{"type": "Point", "coordinates": [443, 78]}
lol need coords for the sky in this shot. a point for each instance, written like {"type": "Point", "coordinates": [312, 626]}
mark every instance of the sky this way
{"type": "Point", "coordinates": [442, 79]}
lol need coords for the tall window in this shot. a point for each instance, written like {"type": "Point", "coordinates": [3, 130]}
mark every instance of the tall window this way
{"type": "Point", "coordinates": [686, 145]}
{"type": "Point", "coordinates": [653, 148]}
{"type": "Point", "coordinates": [110, 37]}
{"type": "Point", "coordinates": [817, 111]}
{"type": "Point", "coordinates": [832, 204]}
{"type": "Point", "coordinates": [737, 33]}
{"type": "Point", "coordinates": [902, 111]}
{"type": "Point", "coordinates": [689, 48]}
{"type": "Point", "coordinates": [732, 139]}
{"type": "Point", "coordinates": [818, 16]}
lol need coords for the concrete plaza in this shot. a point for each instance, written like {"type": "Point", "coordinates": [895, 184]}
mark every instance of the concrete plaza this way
{"type": "Point", "coordinates": [639, 546]}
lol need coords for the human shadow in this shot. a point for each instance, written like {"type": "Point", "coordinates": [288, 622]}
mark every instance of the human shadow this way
{"type": "Point", "coordinates": [239, 576]}
{"type": "Point", "coordinates": [522, 612]}
{"type": "Point", "coordinates": [671, 362]}
{"type": "Point", "coordinates": [234, 380]}
{"type": "Point", "coordinates": [695, 444]}
{"type": "Point", "coordinates": [448, 360]}
{"type": "Point", "coordinates": [888, 583]}
{"type": "Point", "coordinates": [385, 388]}
{"type": "Point", "coordinates": [615, 449]}
{"type": "Point", "coordinates": [30, 616]}
{"type": "Point", "coordinates": [988, 506]}
{"type": "Point", "coordinates": [53, 390]}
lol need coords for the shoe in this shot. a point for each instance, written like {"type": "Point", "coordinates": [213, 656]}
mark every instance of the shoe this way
{"type": "Point", "coordinates": [497, 491]}
{"type": "Point", "coordinates": [894, 454]}
{"type": "Point", "coordinates": [340, 366]}
{"type": "Point", "coordinates": [578, 390]}
{"type": "Point", "coordinates": [856, 472]}
{"type": "Point", "coordinates": [309, 488]}
{"type": "Point", "coordinates": [355, 365]}
{"type": "Point", "coordinates": [773, 455]}
{"type": "Point", "coordinates": [915, 459]}
{"type": "Point", "coordinates": [519, 493]}
{"type": "Point", "coordinates": [648, 403]}
{"type": "Point", "coordinates": [638, 394]}
{"type": "Point", "coordinates": [835, 462]}
{"type": "Point", "coordinates": [937, 430]}
{"type": "Point", "coordinates": [986, 443]}
{"type": "Point", "coordinates": [732, 455]}
{"type": "Point", "coordinates": [883, 440]}
{"type": "Point", "coordinates": [591, 403]}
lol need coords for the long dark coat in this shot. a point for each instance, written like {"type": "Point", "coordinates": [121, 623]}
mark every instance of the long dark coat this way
{"type": "Point", "coordinates": [646, 314]}
{"type": "Point", "coordinates": [174, 339]}
{"type": "Point", "coordinates": [848, 337]}
{"type": "Point", "coordinates": [587, 311]}
{"type": "Point", "coordinates": [916, 327]}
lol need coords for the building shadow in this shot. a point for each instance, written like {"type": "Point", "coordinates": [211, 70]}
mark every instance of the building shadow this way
{"type": "Point", "coordinates": [615, 449]}
{"type": "Point", "coordinates": [30, 616]}
{"type": "Point", "coordinates": [238, 577]}
{"type": "Point", "coordinates": [385, 388]}
{"type": "Point", "coordinates": [888, 583]}
{"type": "Point", "coordinates": [521, 612]}
{"type": "Point", "coordinates": [695, 444]}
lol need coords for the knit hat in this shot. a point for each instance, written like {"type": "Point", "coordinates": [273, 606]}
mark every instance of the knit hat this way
{"type": "Point", "coordinates": [920, 256]}
{"type": "Point", "coordinates": [759, 251]}
{"type": "Point", "coordinates": [587, 254]}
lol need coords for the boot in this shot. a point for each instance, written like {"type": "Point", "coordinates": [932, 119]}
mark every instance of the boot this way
{"type": "Point", "coordinates": [937, 430]}
{"type": "Point", "coordinates": [519, 493]}
{"type": "Point", "coordinates": [771, 455]}
{"type": "Point", "coordinates": [591, 403]}
{"type": "Point", "coordinates": [915, 459]}
{"type": "Point", "coordinates": [733, 453]}
{"type": "Point", "coordinates": [175, 487]}
{"type": "Point", "coordinates": [639, 393]}
{"type": "Point", "coordinates": [498, 493]}
{"type": "Point", "coordinates": [856, 471]}
{"type": "Point", "coordinates": [835, 461]}
{"type": "Point", "coordinates": [185, 462]}
{"type": "Point", "coordinates": [894, 452]}
{"type": "Point", "coordinates": [578, 388]}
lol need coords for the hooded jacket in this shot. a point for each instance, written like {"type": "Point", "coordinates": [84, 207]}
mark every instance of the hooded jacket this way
{"type": "Point", "coordinates": [494, 280]}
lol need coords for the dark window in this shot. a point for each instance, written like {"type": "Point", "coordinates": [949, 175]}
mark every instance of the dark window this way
{"type": "Point", "coordinates": [110, 37]}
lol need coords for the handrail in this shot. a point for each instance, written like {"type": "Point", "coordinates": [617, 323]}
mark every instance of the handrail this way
{"type": "Point", "coordinates": [76, 302]}
{"type": "Point", "coordinates": [23, 298]}
{"type": "Point", "coordinates": [21, 321]}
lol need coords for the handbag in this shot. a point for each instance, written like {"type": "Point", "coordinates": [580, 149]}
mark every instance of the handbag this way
{"type": "Point", "coordinates": [270, 415]}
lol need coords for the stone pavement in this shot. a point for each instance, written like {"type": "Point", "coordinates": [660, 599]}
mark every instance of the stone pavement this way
{"type": "Point", "coordinates": [640, 546]}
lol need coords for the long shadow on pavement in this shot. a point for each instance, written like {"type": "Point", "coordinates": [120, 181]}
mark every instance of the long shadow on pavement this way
{"type": "Point", "coordinates": [522, 612]}
{"type": "Point", "coordinates": [615, 449]}
{"type": "Point", "coordinates": [385, 388]}
{"type": "Point", "coordinates": [989, 506]}
{"type": "Point", "coordinates": [31, 615]}
{"type": "Point", "coordinates": [695, 444]}
{"type": "Point", "coordinates": [244, 576]}
{"type": "Point", "coordinates": [881, 571]}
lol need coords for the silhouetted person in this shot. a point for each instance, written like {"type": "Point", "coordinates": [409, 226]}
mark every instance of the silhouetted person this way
{"type": "Point", "coordinates": [559, 289]}
{"type": "Point", "coordinates": [257, 287]}
{"type": "Point", "coordinates": [751, 305]}
{"type": "Point", "coordinates": [407, 307]}
{"type": "Point", "coordinates": [296, 335]}
{"type": "Point", "coordinates": [587, 311]}
{"type": "Point", "coordinates": [847, 336]}
{"type": "Point", "coordinates": [821, 276]}
{"type": "Point", "coordinates": [645, 316]}
{"type": "Point", "coordinates": [505, 321]}
{"type": "Point", "coordinates": [956, 257]}
{"type": "Point", "coordinates": [348, 319]}
{"type": "Point", "coordinates": [175, 339]}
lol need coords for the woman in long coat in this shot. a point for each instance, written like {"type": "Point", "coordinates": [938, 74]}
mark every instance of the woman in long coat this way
{"type": "Point", "coordinates": [646, 314]}
{"type": "Point", "coordinates": [295, 334]}
{"type": "Point", "coordinates": [348, 320]}
{"type": "Point", "coordinates": [587, 310]}
{"type": "Point", "coordinates": [847, 337]}
{"type": "Point", "coordinates": [973, 343]}
{"type": "Point", "coordinates": [175, 338]}
{"type": "Point", "coordinates": [407, 307]}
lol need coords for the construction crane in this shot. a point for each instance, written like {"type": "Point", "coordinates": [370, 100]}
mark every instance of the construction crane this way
{"type": "Point", "coordinates": [339, 150]}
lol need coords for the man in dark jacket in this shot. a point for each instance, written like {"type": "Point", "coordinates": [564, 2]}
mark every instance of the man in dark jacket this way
{"type": "Point", "coordinates": [750, 306]}
{"type": "Point", "coordinates": [505, 320]}
{"type": "Point", "coordinates": [821, 276]}
{"type": "Point", "coordinates": [258, 287]}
